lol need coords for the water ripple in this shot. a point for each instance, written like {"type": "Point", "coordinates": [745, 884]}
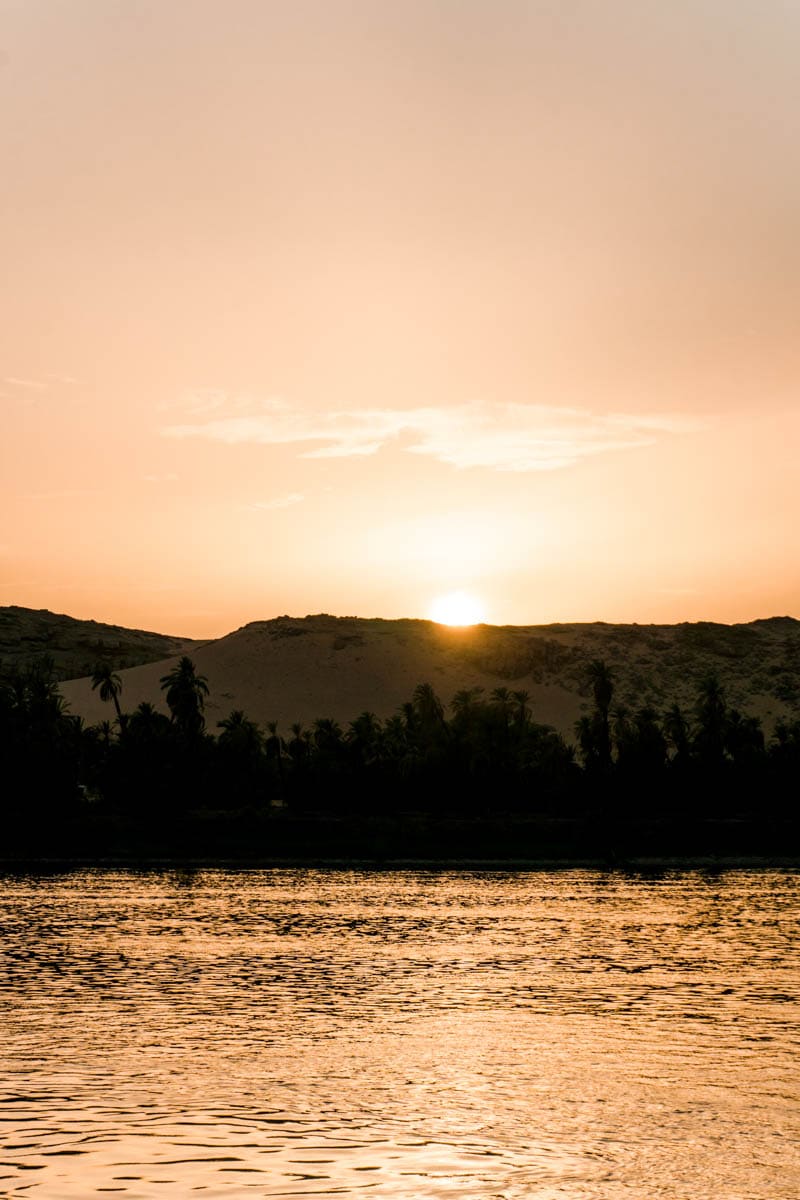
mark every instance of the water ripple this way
{"type": "Point", "coordinates": [407, 1034]}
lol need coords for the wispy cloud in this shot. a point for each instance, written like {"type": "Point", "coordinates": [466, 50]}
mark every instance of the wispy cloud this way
{"type": "Point", "coordinates": [500, 437]}
{"type": "Point", "coordinates": [199, 402]}
{"type": "Point", "coordinates": [31, 385]}
{"type": "Point", "coordinates": [28, 390]}
{"type": "Point", "coordinates": [279, 501]}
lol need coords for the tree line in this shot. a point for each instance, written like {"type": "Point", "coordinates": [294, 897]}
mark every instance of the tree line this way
{"type": "Point", "coordinates": [481, 755]}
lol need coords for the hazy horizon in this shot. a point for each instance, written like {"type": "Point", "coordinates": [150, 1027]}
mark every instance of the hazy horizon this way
{"type": "Point", "coordinates": [344, 306]}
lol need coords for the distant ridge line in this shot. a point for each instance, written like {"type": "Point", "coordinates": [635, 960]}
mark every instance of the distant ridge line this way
{"type": "Point", "coordinates": [298, 669]}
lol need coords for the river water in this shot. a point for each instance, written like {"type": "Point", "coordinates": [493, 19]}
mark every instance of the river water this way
{"type": "Point", "coordinates": [400, 1034]}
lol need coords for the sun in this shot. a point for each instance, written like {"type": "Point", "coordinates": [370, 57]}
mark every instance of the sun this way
{"type": "Point", "coordinates": [456, 608]}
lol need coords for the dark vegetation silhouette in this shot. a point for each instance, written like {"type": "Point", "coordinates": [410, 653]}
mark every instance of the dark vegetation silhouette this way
{"type": "Point", "coordinates": [109, 684]}
{"type": "Point", "coordinates": [479, 776]}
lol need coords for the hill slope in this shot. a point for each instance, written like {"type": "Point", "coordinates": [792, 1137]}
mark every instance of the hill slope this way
{"type": "Point", "coordinates": [27, 634]}
{"type": "Point", "coordinates": [297, 669]}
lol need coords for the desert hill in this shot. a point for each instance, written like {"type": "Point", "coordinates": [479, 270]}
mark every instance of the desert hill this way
{"type": "Point", "coordinates": [76, 647]}
{"type": "Point", "coordinates": [297, 669]}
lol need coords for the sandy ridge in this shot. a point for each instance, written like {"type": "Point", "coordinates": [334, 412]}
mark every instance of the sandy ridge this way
{"type": "Point", "coordinates": [297, 669]}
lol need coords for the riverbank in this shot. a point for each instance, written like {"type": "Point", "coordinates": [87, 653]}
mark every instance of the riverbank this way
{"type": "Point", "coordinates": [510, 842]}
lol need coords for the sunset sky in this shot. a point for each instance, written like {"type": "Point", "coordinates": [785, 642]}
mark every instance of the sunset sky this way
{"type": "Point", "coordinates": [336, 305]}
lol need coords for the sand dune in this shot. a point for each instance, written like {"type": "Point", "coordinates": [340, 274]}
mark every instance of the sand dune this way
{"type": "Point", "coordinates": [298, 669]}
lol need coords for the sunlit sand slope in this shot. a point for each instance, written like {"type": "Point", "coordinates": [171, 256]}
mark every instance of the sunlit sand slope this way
{"type": "Point", "coordinates": [298, 669]}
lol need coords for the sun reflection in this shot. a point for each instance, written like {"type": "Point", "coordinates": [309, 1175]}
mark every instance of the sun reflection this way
{"type": "Point", "coordinates": [457, 608]}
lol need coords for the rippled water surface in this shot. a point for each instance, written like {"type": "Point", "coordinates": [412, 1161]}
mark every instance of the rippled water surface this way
{"type": "Point", "coordinates": [406, 1034]}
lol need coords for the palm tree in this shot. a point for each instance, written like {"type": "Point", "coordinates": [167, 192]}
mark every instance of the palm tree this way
{"type": "Point", "coordinates": [328, 745]}
{"type": "Point", "coordinates": [468, 715]}
{"type": "Point", "coordinates": [522, 699]}
{"type": "Point", "coordinates": [110, 686]}
{"type": "Point", "coordinates": [501, 700]}
{"type": "Point", "coordinates": [647, 746]}
{"type": "Point", "coordinates": [676, 729]}
{"type": "Point", "coordinates": [409, 717]}
{"type": "Point", "coordinates": [147, 712]}
{"type": "Point", "coordinates": [711, 711]}
{"type": "Point", "coordinates": [146, 732]}
{"type": "Point", "coordinates": [297, 746]}
{"type": "Point", "coordinates": [273, 747]}
{"type": "Point", "coordinates": [240, 733]}
{"type": "Point", "coordinates": [465, 700]}
{"type": "Point", "coordinates": [186, 693]}
{"type": "Point", "coordinates": [744, 738]}
{"type": "Point", "coordinates": [395, 740]}
{"type": "Point", "coordinates": [240, 743]}
{"type": "Point", "coordinates": [601, 678]}
{"type": "Point", "coordinates": [37, 693]}
{"type": "Point", "coordinates": [587, 741]}
{"type": "Point", "coordinates": [623, 730]}
{"type": "Point", "coordinates": [428, 708]}
{"type": "Point", "coordinates": [364, 736]}
{"type": "Point", "coordinates": [327, 734]}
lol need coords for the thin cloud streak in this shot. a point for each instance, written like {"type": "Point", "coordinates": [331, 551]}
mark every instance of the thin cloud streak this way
{"type": "Point", "coordinates": [499, 437]}
{"type": "Point", "coordinates": [34, 385]}
{"type": "Point", "coordinates": [27, 390]}
{"type": "Point", "coordinates": [278, 502]}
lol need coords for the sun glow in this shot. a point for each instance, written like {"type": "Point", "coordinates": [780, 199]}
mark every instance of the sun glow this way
{"type": "Point", "coordinates": [457, 608]}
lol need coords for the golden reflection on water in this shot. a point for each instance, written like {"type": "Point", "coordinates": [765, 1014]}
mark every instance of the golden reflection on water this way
{"type": "Point", "coordinates": [406, 1034]}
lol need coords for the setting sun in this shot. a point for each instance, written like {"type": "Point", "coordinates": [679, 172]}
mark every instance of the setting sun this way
{"type": "Point", "coordinates": [457, 608]}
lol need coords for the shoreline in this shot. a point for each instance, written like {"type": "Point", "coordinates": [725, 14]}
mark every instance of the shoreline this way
{"type": "Point", "coordinates": [635, 865]}
{"type": "Point", "coordinates": [278, 840]}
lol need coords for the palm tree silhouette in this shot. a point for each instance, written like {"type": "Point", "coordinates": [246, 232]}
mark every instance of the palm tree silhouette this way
{"type": "Point", "coordinates": [273, 748]}
{"type": "Point", "coordinates": [186, 693]}
{"type": "Point", "coordinates": [297, 746]}
{"type": "Point", "coordinates": [601, 678]}
{"type": "Point", "coordinates": [364, 736]}
{"type": "Point", "coordinates": [146, 722]}
{"type": "Point", "coordinates": [744, 737]}
{"type": "Point", "coordinates": [523, 712]}
{"type": "Point", "coordinates": [427, 707]}
{"type": "Point", "coordinates": [239, 733]}
{"type": "Point", "coordinates": [501, 701]}
{"type": "Point", "coordinates": [676, 729]}
{"type": "Point", "coordinates": [327, 734]}
{"type": "Point", "coordinates": [711, 711]}
{"type": "Point", "coordinates": [585, 733]}
{"type": "Point", "coordinates": [465, 700]}
{"type": "Point", "coordinates": [110, 686]}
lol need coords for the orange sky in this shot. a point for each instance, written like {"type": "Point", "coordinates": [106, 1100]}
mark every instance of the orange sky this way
{"type": "Point", "coordinates": [338, 305]}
